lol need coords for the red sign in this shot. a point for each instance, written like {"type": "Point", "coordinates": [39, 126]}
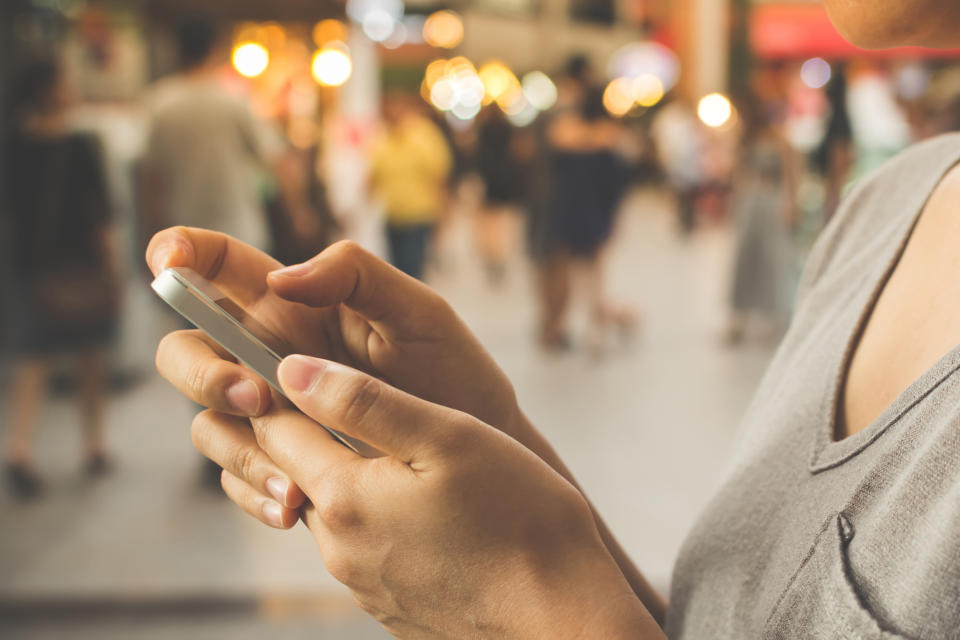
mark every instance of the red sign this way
{"type": "Point", "coordinates": [780, 31]}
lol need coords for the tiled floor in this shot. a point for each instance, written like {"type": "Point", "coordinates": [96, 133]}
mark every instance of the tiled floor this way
{"type": "Point", "coordinates": [647, 430]}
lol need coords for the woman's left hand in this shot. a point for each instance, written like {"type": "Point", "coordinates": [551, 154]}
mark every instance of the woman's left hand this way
{"type": "Point", "coordinates": [459, 531]}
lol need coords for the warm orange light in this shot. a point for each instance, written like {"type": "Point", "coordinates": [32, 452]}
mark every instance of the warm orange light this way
{"type": "Point", "coordinates": [272, 35]}
{"type": "Point", "coordinates": [435, 71]}
{"type": "Point", "coordinates": [331, 66]}
{"type": "Point", "coordinates": [619, 97]}
{"type": "Point", "coordinates": [443, 29]}
{"type": "Point", "coordinates": [714, 110]}
{"type": "Point", "coordinates": [497, 81]}
{"type": "Point", "coordinates": [329, 30]}
{"type": "Point", "coordinates": [648, 89]}
{"type": "Point", "coordinates": [250, 59]}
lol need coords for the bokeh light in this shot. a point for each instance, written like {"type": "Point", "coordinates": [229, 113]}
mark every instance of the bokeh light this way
{"type": "Point", "coordinates": [443, 29]}
{"type": "Point", "coordinates": [332, 66]}
{"type": "Point", "coordinates": [539, 90]}
{"type": "Point", "coordinates": [329, 31]}
{"type": "Point", "coordinates": [639, 59]}
{"type": "Point", "coordinates": [497, 80]}
{"type": "Point", "coordinates": [513, 102]}
{"type": "Point", "coordinates": [648, 90]}
{"type": "Point", "coordinates": [398, 38]}
{"type": "Point", "coordinates": [714, 110]}
{"type": "Point", "coordinates": [377, 18]}
{"type": "Point", "coordinates": [378, 25]}
{"type": "Point", "coordinates": [524, 116]}
{"type": "Point", "coordinates": [250, 59]}
{"type": "Point", "coordinates": [815, 73]}
{"type": "Point", "coordinates": [619, 97]}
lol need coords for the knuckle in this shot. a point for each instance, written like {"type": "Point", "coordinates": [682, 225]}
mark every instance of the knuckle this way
{"type": "Point", "coordinates": [347, 250]}
{"type": "Point", "coordinates": [335, 508]}
{"type": "Point", "coordinates": [196, 380]}
{"type": "Point", "coordinates": [360, 396]}
{"type": "Point", "coordinates": [459, 434]}
{"type": "Point", "coordinates": [244, 458]}
{"type": "Point", "coordinates": [165, 348]}
{"type": "Point", "coordinates": [199, 430]}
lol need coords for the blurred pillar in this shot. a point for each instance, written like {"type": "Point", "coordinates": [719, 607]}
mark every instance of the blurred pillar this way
{"type": "Point", "coordinates": [701, 29]}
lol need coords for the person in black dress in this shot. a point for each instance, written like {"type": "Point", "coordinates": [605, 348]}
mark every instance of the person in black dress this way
{"type": "Point", "coordinates": [502, 176]}
{"type": "Point", "coordinates": [589, 179]}
{"type": "Point", "coordinates": [62, 294]}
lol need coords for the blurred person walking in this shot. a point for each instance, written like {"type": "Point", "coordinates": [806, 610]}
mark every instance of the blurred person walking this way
{"type": "Point", "coordinates": [409, 172]}
{"type": "Point", "coordinates": [588, 183]}
{"type": "Point", "coordinates": [502, 177]}
{"type": "Point", "coordinates": [679, 142]}
{"type": "Point", "coordinates": [208, 156]}
{"type": "Point", "coordinates": [764, 207]}
{"type": "Point", "coordinates": [64, 294]}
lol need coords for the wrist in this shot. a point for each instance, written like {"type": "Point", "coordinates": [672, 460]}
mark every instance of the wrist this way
{"type": "Point", "coordinates": [591, 599]}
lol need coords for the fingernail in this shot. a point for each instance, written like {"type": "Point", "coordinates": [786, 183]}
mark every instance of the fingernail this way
{"type": "Point", "coordinates": [300, 373]}
{"type": "Point", "coordinates": [278, 488]}
{"type": "Point", "coordinates": [244, 397]}
{"type": "Point", "coordinates": [273, 512]}
{"type": "Point", "coordinates": [294, 270]}
{"type": "Point", "coordinates": [163, 256]}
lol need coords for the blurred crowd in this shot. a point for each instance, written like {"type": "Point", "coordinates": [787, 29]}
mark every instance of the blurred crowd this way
{"type": "Point", "coordinates": [89, 179]}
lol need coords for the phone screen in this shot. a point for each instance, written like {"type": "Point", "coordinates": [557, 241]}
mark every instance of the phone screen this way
{"type": "Point", "coordinates": [280, 348]}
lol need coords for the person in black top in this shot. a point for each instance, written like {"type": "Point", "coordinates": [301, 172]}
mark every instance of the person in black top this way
{"type": "Point", "coordinates": [502, 175]}
{"type": "Point", "coordinates": [63, 289]}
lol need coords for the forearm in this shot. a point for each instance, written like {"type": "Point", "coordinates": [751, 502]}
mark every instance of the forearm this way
{"type": "Point", "coordinates": [524, 432]}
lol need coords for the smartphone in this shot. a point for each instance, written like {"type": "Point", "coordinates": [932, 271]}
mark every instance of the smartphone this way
{"type": "Point", "coordinates": [213, 312]}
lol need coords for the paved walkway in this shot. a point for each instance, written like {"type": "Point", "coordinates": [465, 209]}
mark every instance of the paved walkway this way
{"type": "Point", "coordinates": [647, 430]}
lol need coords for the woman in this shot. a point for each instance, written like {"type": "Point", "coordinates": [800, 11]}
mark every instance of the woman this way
{"type": "Point", "coordinates": [590, 177]}
{"type": "Point", "coordinates": [64, 294]}
{"type": "Point", "coordinates": [500, 169]}
{"type": "Point", "coordinates": [764, 211]}
{"type": "Point", "coordinates": [838, 520]}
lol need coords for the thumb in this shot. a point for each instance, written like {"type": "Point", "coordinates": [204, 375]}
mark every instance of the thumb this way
{"type": "Point", "coordinates": [346, 273]}
{"type": "Point", "coordinates": [364, 407]}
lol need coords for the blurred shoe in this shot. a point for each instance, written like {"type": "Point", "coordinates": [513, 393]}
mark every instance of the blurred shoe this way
{"type": "Point", "coordinates": [559, 343]}
{"type": "Point", "coordinates": [733, 335]}
{"type": "Point", "coordinates": [23, 481]}
{"type": "Point", "coordinates": [97, 465]}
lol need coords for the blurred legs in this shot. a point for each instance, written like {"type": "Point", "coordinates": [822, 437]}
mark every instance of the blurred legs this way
{"type": "Point", "coordinates": [92, 387]}
{"type": "Point", "coordinates": [26, 393]}
{"type": "Point", "coordinates": [555, 298]}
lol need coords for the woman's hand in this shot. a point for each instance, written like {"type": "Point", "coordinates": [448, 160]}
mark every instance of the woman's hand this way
{"type": "Point", "coordinates": [458, 532]}
{"type": "Point", "coordinates": [346, 305]}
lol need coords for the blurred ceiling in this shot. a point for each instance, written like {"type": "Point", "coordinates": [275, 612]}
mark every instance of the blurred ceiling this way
{"type": "Point", "coordinates": [282, 10]}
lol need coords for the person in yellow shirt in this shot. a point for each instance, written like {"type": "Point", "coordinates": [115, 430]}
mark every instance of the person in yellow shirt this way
{"type": "Point", "coordinates": [409, 170]}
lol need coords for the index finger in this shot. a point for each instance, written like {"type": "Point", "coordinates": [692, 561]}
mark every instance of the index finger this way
{"type": "Point", "coordinates": [237, 269]}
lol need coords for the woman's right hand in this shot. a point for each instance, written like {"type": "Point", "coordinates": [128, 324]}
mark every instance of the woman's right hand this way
{"type": "Point", "coordinates": [345, 305]}
{"type": "Point", "coordinates": [457, 532]}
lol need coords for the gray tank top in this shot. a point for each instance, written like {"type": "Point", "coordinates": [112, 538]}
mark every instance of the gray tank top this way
{"type": "Point", "coordinates": [858, 538]}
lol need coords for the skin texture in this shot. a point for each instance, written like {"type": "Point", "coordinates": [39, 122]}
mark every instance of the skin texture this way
{"type": "Point", "coordinates": [914, 322]}
{"type": "Point", "coordinates": [407, 354]}
{"type": "Point", "coordinates": [880, 24]}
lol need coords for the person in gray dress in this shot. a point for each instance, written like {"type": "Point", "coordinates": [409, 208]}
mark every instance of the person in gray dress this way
{"type": "Point", "coordinates": [764, 209]}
